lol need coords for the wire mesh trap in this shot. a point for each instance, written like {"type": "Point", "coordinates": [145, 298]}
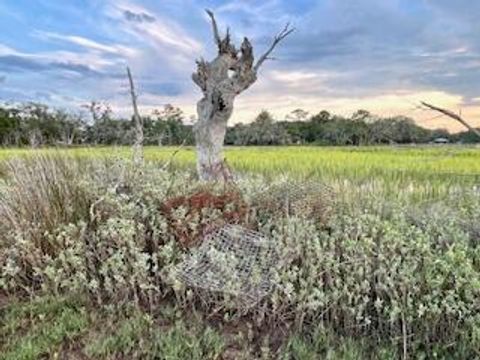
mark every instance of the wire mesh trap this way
{"type": "Point", "coordinates": [232, 260]}
{"type": "Point", "coordinates": [310, 199]}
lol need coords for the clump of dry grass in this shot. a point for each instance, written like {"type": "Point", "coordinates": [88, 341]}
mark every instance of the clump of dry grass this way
{"type": "Point", "coordinates": [40, 193]}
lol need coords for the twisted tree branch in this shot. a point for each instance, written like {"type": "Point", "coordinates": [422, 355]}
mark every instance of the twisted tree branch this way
{"type": "Point", "coordinates": [287, 30]}
{"type": "Point", "coordinates": [452, 115]}
{"type": "Point", "coordinates": [216, 35]}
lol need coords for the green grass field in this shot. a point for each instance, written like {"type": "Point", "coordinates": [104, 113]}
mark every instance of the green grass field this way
{"type": "Point", "coordinates": [391, 163]}
{"type": "Point", "coordinates": [425, 171]}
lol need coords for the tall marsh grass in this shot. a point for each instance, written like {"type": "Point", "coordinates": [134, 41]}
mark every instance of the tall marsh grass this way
{"type": "Point", "coordinates": [41, 193]}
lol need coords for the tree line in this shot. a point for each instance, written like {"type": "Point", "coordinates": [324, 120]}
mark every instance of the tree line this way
{"type": "Point", "coordinates": [33, 124]}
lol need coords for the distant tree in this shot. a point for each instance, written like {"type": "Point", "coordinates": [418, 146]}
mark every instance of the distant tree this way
{"type": "Point", "coordinates": [321, 118]}
{"type": "Point", "coordinates": [263, 131]}
{"type": "Point", "coordinates": [167, 126]}
{"type": "Point", "coordinates": [36, 124]}
{"type": "Point", "coordinates": [105, 129]}
{"type": "Point", "coordinates": [70, 126]}
{"type": "Point", "coordinates": [297, 115]}
{"type": "Point", "coordinates": [99, 110]}
{"type": "Point", "coordinates": [316, 127]}
{"type": "Point", "coordinates": [362, 115]}
{"type": "Point", "coordinates": [9, 126]}
{"type": "Point", "coordinates": [465, 137]}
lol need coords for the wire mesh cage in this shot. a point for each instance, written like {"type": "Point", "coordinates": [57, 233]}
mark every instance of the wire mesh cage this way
{"type": "Point", "coordinates": [310, 199]}
{"type": "Point", "coordinates": [232, 260]}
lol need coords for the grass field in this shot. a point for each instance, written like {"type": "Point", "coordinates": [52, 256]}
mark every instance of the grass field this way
{"type": "Point", "coordinates": [424, 171]}
{"type": "Point", "coordinates": [390, 163]}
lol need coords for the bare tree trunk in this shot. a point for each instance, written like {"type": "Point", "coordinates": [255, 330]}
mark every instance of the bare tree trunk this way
{"type": "Point", "coordinates": [210, 132]}
{"type": "Point", "coordinates": [138, 144]}
{"type": "Point", "coordinates": [221, 80]}
{"type": "Point", "coordinates": [35, 138]}
{"type": "Point", "coordinates": [70, 139]}
{"type": "Point", "coordinates": [453, 116]}
{"type": "Point", "coordinates": [68, 136]}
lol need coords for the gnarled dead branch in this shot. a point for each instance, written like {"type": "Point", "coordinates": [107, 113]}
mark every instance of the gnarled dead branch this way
{"type": "Point", "coordinates": [287, 30]}
{"type": "Point", "coordinates": [452, 115]}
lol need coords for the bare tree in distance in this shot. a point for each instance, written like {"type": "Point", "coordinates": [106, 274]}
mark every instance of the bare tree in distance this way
{"type": "Point", "coordinates": [452, 115]}
{"type": "Point", "coordinates": [221, 80]}
{"type": "Point", "coordinates": [138, 144]}
{"type": "Point", "coordinates": [98, 110]}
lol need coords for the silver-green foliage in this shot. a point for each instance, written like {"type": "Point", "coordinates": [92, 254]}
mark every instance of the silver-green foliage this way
{"type": "Point", "coordinates": [390, 272]}
{"type": "Point", "coordinates": [384, 275]}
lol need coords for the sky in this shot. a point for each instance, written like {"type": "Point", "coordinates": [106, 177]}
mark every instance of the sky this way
{"type": "Point", "coordinates": [384, 56]}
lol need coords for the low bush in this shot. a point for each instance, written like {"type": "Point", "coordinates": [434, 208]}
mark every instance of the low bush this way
{"type": "Point", "coordinates": [398, 276]}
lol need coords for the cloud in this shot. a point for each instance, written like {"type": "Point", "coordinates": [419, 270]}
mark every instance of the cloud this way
{"type": "Point", "coordinates": [10, 94]}
{"type": "Point", "coordinates": [162, 88]}
{"type": "Point", "coordinates": [89, 44]}
{"type": "Point", "coordinates": [374, 54]}
{"type": "Point", "coordinates": [19, 63]}
{"type": "Point", "coordinates": [61, 63]}
{"type": "Point", "coordinates": [161, 33]}
{"type": "Point", "coordinates": [76, 68]}
{"type": "Point", "coordinates": [371, 48]}
{"type": "Point", "coordinates": [138, 17]}
{"type": "Point", "coordinates": [3, 78]}
{"type": "Point", "coordinates": [23, 63]}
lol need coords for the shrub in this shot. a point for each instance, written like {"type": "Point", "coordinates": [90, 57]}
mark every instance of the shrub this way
{"type": "Point", "coordinates": [384, 277]}
{"type": "Point", "coordinates": [373, 269]}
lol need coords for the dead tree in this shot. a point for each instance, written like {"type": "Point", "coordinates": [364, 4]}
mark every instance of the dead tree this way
{"type": "Point", "coordinates": [452, 115]}
{"type": "Point", "coordinates": [221, 80]}
{"type": "Point", "coordinates": [138, 144]}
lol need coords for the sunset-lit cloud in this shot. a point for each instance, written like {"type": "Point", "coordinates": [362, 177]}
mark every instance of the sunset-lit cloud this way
{"type": "Point", "coordinates": [384, 56]}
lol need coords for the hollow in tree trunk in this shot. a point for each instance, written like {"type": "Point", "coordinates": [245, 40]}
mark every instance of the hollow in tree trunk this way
{"type": "Point", "coordinates": [221, 80]}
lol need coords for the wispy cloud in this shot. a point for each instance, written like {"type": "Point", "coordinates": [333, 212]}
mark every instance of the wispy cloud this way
{"type": "Point", "coordinates": [88, 44]}
{"type": "Point", "coordinates": [146, 26]}
{"type": "Point", "coordinates": [15, 61]}
{"type": "Point", "coordinates": [138, 17]}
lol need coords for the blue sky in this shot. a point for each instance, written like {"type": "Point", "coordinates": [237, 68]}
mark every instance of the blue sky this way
{"type": "Point", "coordinates": [380, 55]}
